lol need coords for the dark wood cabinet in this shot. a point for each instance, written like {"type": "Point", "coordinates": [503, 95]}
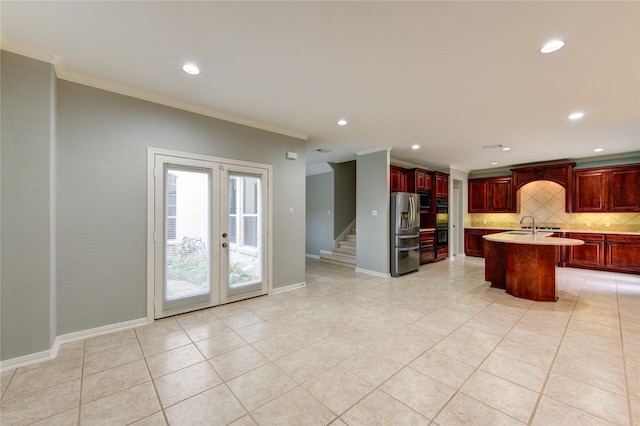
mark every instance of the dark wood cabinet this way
{"type": "Point", "coordinates": [501, 197]}
{"type": "Point", "coordinates": [398, 179]}
{"type": "Point", "coordinates": [590, 254]}
{"type": "Point", "coordinates": [558, 173]}
{"type": "Point", "coordinates": [623, 253]}
{"type": "Point", "coordinates": [624, 189]}
{"type": "Point", "coordinates": [441, 184]}
{"type": "Point", "coordinates": [473, 242]}
{"type": "Point", "coordinates": [427, 246]}
{"type": "Point", "coordinates": [607, 189]}
{"type": "Point", "coordinates": [589, 190]}
{"type": "Point", "coordinates": [492, 195]}
{"type": "Point", "coordinates": [418, 180]}
{"type": "Point", "coordinates": [478, 195]}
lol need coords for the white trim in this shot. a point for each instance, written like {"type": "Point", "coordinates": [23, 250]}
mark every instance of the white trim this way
{"type": "Point", "coordinates": [374, 273]}
{"type": "Point", "coordinates": [63, 74]}
{"type": "Point", "coordinates": [152, 153]}
{"type": "Point", "coordinates": [312, 256]}
{"type": "Point", "coordinates": [52, 353]}
{"type": "Point", "coordinates": [286, 288]}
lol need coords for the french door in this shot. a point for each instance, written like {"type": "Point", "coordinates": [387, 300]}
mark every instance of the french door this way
{"type": "Point", "coordinates": [209, 232]}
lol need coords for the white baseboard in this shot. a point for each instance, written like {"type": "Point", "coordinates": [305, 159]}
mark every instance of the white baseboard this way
{"type": "Point", "coordinates": [312, 256]}
{"type": "Point", "coordinates": [291, 287]}
{"type": "Point", "coordinates": [50, 354]}
{"type": "Point", "coordinates": [374, 273]}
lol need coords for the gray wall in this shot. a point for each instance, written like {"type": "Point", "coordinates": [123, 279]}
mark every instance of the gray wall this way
{"type": "Point", "coordinates": [373, 194]}
{"type": "Point", "coordinates": [344, 196]}
{"type": "Point", "coordinates": [319, 223]}
{"type": "Point", "coordinates": [102, 141]}
{"type": "Point", "coordinates": [27, 256]}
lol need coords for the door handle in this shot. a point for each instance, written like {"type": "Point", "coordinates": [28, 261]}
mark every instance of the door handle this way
{"type": "Point", "coordinates": [225, 245]}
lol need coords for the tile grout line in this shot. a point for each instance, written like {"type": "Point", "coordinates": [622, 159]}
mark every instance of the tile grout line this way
{"type": "Point", "coordinates": [624, 358]}
{"type": "Point", "coordinates": [555, 355]}
{"type": "Point", "coordinates": [84, 356]}
{"type": "Point", "coordinates": [153, 383]}
{"type": "Point", "coordinates": [477, 368]}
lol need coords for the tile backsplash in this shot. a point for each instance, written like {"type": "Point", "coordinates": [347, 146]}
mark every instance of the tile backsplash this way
{"type": "Point", "coordinates": [545, 201]}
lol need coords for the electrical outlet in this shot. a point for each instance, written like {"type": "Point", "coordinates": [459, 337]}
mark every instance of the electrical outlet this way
{"type": "Point", "coordinates": [588, 223]}
{"type": "Point", "coordinates": [484, 222]}
{"type": "Point", "coordinates": [291, 212]}
{"type": "Point", "coordinates": [606, 224]}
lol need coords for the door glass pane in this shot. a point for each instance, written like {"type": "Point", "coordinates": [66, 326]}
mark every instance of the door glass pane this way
{"type": "Point", "coordinates": [245, 251]}
{"type": "Point", "coordinates": [187, 230]}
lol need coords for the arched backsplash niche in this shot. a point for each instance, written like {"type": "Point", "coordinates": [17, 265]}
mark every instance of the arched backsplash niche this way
{"type": "Point", "coordinates": [545, 200]}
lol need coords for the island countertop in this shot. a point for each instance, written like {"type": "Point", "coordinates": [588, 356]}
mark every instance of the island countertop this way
{"type": "Point", "coordinates": [542, 238]}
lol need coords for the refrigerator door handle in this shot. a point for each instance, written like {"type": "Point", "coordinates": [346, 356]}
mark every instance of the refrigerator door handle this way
{"type": "Point", "coordinates": [412, 211]}
{"type": "Point", "coordinates": [408, 248]}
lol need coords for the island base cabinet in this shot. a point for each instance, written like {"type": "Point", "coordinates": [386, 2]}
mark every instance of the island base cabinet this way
{"type": "Point", "coordinates": [524, 271]}
{"type": "Point", "coordinates": [531, 272]}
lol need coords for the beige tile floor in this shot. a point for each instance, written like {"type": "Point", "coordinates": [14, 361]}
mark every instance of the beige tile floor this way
{"type": "Point", "coordinates": [435, 347]}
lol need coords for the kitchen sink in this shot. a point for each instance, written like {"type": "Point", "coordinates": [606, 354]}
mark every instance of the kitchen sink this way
{"type": "Point", "coordinates": [519, 232]}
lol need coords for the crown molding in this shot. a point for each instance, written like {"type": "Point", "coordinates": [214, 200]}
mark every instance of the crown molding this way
{"type": "Point", "coordinates": [63, 74]}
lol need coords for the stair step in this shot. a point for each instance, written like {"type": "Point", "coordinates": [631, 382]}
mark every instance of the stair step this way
{"type": "Point", "coordinates": [343, 244]}
{"type": "Point", "coordinates": [337, 258]}
{"type": "Point", "coordinates": [346, 250]}
{"type": "Point", "coordinates": [350, 237]}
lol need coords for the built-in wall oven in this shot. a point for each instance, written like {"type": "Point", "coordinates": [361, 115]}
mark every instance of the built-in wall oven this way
{"type": "Point", "coordinates": [442, 222]}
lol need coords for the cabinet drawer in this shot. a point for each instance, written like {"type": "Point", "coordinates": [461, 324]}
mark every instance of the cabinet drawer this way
{"type": "Point", "coordinates": [624, 238]}
{"type": "Point", "coordinates": [586, 237]}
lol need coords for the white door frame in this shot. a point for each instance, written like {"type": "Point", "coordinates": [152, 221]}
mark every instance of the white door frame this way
{"type": "Point", "coordinates": [151, 214]}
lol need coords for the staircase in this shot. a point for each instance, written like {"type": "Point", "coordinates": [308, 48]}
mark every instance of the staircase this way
{"type": "Point", "coordinates": [344, 254]}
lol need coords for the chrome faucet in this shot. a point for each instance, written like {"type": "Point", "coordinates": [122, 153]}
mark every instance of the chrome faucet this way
{"type": "Point", "coordinates": [533, 225]}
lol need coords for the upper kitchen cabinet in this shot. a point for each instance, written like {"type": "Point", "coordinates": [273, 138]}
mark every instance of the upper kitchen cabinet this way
{"type": "Point", "coordinates": [607, 189]}
{"type": "Point", "coordinates": [398, 179]}
{"type": "Point", "coordinates": [441, 184]}
{"type": "Point", "coordinates": [558, 173]}
{"type": "Point", "coordinates": [419, 180]}
{"type": "Point", "coordinates": [492, 195]}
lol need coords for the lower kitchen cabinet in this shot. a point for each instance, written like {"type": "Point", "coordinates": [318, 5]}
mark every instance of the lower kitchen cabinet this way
{"type": "Point", "coordinates": [590, 254]}
{"type": "Point", "coordinates": [427, 246]}
{"type": "Point", "coordinates": [606, 252]}
{"type": "Point", "coordinates": [623, 253]}
{"type": "Point", "coordinates": [473, 242]}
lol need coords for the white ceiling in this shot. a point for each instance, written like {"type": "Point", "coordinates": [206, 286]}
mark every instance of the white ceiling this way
{"type": "Point", "coordinates": [450, 76]}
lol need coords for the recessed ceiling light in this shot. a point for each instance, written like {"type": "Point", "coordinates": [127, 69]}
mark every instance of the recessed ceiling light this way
{"type": "Point", "coordinates": [191, 69]}
{"type": "Point", "coordinates": [598, 150]}
{"type": "Point", "coordinates": [342, 122]}
{"type": "Point", "coordinates": [576, 115]}
{"type": "Point", "coordinates": [506, 148]}
{"type": "Point", "coordinates": [552, 46]}
{"type": "Point", "coordinates": [415, 147]}
{"type": "Point", "coordinates": [495, 163]}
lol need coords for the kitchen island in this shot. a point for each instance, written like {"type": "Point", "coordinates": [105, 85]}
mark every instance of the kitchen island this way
{"type": "Point", "coordinates": [524, 264]}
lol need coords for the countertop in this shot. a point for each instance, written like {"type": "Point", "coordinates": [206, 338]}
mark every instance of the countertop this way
{"type": "Point", "coordinates": [542, 238]}
{"type": "Point", "coordinates": [580, 231]}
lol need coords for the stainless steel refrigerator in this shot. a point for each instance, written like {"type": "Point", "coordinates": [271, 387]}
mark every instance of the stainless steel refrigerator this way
{"type": "Point", "coordinates": [405, 233]}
